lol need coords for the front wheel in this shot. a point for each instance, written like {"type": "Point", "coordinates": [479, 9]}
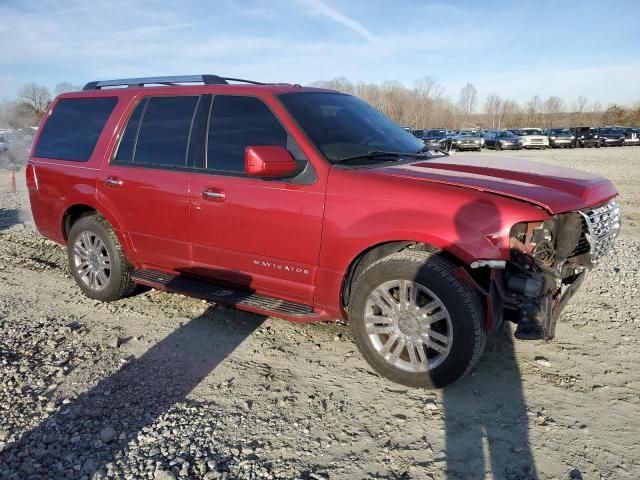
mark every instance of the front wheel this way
{"type": "Point", "coordinates": [415, 322]}
{"type": "Point", "coordinates": [97, 261]}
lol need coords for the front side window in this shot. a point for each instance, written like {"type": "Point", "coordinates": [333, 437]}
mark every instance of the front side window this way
{"type": "Point", "coordinates": [237, 122]}
{"type": "Point", "coordinates": [73, 128]}
{"type": "Point", "coordinates": [342, 126]}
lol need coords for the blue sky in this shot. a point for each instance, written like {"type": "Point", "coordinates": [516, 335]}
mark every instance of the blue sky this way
{"type": "Point", "coordinates": [516, 49]}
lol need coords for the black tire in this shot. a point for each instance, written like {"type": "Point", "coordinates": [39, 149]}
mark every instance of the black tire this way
{"type": "Point", "coordinates": [119, 283]}
{"type": "Point", "coordinates": [430, 270]}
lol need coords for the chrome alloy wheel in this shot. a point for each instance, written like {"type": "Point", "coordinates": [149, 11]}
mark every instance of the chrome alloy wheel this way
{"type": "Point", "coordinates": [91, 261]}
{"type": "Point", "coordinates": [408, 325]}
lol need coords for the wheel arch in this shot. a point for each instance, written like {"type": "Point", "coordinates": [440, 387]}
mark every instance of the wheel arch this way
{"type": "Point", "coordinates": [380, 250]}
{"type": "Point", "coordinates": [79, 210]}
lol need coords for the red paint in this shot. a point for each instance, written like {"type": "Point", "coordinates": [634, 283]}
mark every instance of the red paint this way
{"type": "Point", "coordinates": [290, 240]}
{"type": "Point", "coordinates": [268, 161]}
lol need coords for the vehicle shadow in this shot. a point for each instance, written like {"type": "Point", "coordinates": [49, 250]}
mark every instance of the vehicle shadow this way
{"type": "Point", "coordinates": [113, 412]}
{"type": "Point", "coordinates": [486, 421]}
{"type": "Point", "coordinates": [8, 218]}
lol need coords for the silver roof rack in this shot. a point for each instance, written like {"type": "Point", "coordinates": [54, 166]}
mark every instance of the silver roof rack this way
{"type": "Point", "coordinates": [166, 80]}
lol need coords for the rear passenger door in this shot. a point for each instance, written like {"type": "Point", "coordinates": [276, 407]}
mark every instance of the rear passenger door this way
{"type": "Point", "coordinates": [259, 234]}
{"type": "Point", "coordinates": [146, 184]}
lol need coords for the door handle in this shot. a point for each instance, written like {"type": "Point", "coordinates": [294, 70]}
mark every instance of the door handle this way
{"type": "Point", "coordinates": [213, 195]}
{"type": "Point", "coordinates": [113, 182]}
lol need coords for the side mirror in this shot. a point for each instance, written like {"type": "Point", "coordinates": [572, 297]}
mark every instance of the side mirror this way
{"type": "Point", "coordinates": [268, 161]}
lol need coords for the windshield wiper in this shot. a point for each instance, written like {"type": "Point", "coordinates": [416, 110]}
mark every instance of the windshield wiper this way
{"type": "Point", "coordinates": [381, 154]}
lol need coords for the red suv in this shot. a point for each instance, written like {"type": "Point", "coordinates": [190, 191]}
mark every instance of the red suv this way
{"type": "Point", "coordinates": [309, 204]}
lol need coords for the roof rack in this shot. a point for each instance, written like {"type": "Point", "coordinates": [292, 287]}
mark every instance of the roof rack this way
{"type": "Point", "coordinates": [166, 80]}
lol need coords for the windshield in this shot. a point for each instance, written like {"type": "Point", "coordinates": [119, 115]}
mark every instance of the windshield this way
{"type": "Point", "coordinates": [506, 135]}
{"type": "Point", "coordinates": [530, 131]}
{"type": "Point", "coordinates": [467, 134]}
{"type": "Point", "coordinates": [559, 131]}
{"type": "Point", "coordinates": [436, 133]}
{"type": "Point", "coordinates": [342, 125]}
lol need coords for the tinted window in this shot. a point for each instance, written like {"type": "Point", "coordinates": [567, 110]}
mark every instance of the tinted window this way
{"type": "Point", "coordinates": [128, 142]}
{"type": "Point", "coordinates": [163, 136]}
{"type": "Point", "coordinates": [237, 122]}
{"type": "Point", "coordinates": [73, 128]}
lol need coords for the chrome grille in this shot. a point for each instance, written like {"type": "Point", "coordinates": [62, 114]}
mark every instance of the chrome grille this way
{"type": "Point", "coordinates": [603, 226]}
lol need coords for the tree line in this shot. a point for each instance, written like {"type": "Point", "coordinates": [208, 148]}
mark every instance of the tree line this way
{"type": "Point", "coordinates": [424, 105]}
{"type": "Point", "coordinates": [33, 100]}
{"type": "Point", "coordinates": [427, 105]}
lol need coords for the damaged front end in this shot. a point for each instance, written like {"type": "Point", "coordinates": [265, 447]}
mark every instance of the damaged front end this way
{"type": "Point", "coordinates": [549, 261]}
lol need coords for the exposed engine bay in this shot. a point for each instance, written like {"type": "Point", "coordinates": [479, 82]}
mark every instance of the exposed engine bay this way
{"type": "Point", "coordinates": [549, 261]}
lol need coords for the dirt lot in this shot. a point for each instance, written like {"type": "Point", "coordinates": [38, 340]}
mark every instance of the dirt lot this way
{"type": "Point", "coordinates": [162, 386]}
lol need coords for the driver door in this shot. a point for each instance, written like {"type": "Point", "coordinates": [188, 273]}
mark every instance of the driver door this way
{"type": "Point", "coordinates": [261, 235]}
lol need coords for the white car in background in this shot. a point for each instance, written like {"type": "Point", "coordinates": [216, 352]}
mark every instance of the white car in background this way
{"type": "Point", "coordinates": [532, 138]}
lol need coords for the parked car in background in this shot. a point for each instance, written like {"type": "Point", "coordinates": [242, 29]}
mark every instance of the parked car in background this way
{"type": "Point", "coordinates": [561, 138]}
{"type": "Point", "coordinates": [586, 136]}
{"type": "Point", "coordinates": [466, 140]}
{"type": "Point", "coordinates": [437, 138]}
{"type": "Point", "coordinates": [476, 132]}
{"type": "Point", "coordinates": [631, 136]}
{"type": "Point", "coordinates": [4, 144]}
{"type": "Point", "coordinates": [611, 136]}
{"type": "Point", "coordinates": [532, 138]}
{"type": "Point", "coordinates": [503, 141]}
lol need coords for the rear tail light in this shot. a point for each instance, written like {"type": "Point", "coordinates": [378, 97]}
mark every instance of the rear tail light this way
{"type": "Point", "coordinates": [32, 179]}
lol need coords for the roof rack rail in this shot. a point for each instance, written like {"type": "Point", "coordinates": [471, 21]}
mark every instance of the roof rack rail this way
{"type": "Point", "coordinates": [166, 80]}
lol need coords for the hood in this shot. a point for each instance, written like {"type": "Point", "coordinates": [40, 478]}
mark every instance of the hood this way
{"type": "Point", "coordinates": [467, 136]}
{"type": "Point", "coordinates": [533, 137]}
{"type": "Point", "coordinates": [556, 189]}
{"type": "Point", "coordinates": [612, 135]}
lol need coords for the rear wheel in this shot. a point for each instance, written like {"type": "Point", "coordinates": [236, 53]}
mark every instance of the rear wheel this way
{"type": "Point", "coordinates": [96, 260]}
{"type": "Point", "coordinates": [415, 322]}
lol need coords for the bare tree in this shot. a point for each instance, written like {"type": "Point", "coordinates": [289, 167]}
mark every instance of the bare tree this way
{"type": "Point", "coordinates": [429, 87]}
{"type": "Point", "coordinates": [36, 96]}
{"type": "Point", "coordinates": [553, 107]}
{"type": "Point", "coordinates": [467, 100]}
{"type": "Point", "coordinates": [534, 111]}
{"type": "Point", "coordinates": [64, 87]}
{"type": "Point", "coordinates": [510, 115]}
{"type": "Point", "coordinates": [492, 106]}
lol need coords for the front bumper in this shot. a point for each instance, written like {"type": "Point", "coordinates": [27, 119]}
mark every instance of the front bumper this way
{"type": "Point", "coordinates": [612, 142]}
{"type": "Point", "coordinates": [535, 145]}
{"type": "Point", "coordinates": [533, 287]}
{"type": "Point", "coordinates": [466, 146]}
{"type": "Point", "coordinates": [561, 142]}
{"type": "Point", "coordinates": [510, 146]}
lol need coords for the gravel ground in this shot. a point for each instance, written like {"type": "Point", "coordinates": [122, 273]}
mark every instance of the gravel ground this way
{"type": "Point", "coordinates": [162, 386]}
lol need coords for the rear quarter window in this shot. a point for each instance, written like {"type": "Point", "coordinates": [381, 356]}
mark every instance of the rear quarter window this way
{"type": "Point", "coordinates": [73, 128]}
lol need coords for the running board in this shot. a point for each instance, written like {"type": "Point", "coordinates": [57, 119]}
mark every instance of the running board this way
{"type": "Point", "coordinates": [223, 295]}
